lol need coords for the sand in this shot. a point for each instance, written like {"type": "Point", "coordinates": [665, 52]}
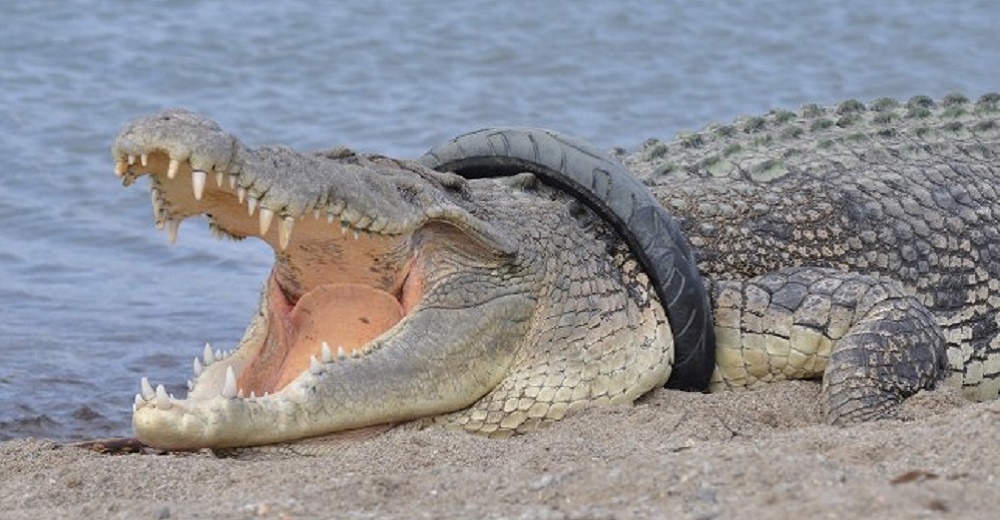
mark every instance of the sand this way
{"type": "Point", "coordinates": [762, 454]}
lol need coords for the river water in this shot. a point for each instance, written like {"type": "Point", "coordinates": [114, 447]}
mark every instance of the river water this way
{"type": "Point", "coordinates": [91, 296]}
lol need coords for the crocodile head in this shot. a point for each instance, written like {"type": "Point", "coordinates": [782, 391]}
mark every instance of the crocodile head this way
{"type": "Point", "coordinates": [367, 251]}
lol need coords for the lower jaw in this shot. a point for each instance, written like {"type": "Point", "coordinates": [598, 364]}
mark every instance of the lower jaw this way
{"type": "Point", "coordinates": [343, 316]}
{"type": "Point", "coordinates": [313, 446]}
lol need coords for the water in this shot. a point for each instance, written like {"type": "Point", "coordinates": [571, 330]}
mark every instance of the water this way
{"type": "Point", "coordinates": [92, 298]}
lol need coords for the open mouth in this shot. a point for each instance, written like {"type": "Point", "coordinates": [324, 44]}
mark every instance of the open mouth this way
{"type": "Point", "coordinates": [341, 280]}
{"type": "Point", "coordinates": [382, 304]}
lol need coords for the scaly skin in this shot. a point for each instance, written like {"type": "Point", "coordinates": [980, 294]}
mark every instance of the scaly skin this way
{"type": "Point", "coordinates": [858, 244]}
{"type": "Point", "coordinates": [903, 197]}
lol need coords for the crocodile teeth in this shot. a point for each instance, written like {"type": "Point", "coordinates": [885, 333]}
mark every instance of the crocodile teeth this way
{"type": "Point", "coordinates": [285, 232]}
{"type": "Point", "coordinates": [172, 168]}
{"type": "Point", "coordinates": [343, 228]}
{"type": "Point", "coordinates": [241, 194]}
{"type": "Point", "coordinates": [131, 160]}
{"type": "Point", "coordinates": [356, 234]}
{"type": "Point", "coordinates": [208, 355]}
{"type": "Point", "coordinates": [162, 399]}
{"type": "Point", "coordinates": [198, 179]}
{"type": "Point", "coordinates": [315, 367]}
{"type": "Point", "coordinates": [325, 353]}
{"type": "Point", "coordinates": [155, 198]}
{"type": "Point", "coordinates": [197, 366]}
{"type": "Point", "coordinates": [121, 167]}
{"type": "Point", "coordinates": [265, 220]}
{"type": "Point", "coordinates": [217, 233]}
{"type": "Point", "coordinates": [173, 226]}
{"type": "Point", "coordinates": [219, 177]}
{"type": "Point", "coordinates": [251, 205]}
{"type": "Point", "coordinates": [137, 402]}
{"type": "Point", "coordinates": [146, 389]}
{"type": "Point", "coordinates": [340, 352]}
{"type": "Point", "coordinates": [229, 389]}
{"type": "Point", "coordinates": [232, 182]}
{"type": "Point", "coordinates": [144, 160]}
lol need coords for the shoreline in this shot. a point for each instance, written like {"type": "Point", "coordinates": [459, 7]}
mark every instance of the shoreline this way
{"type": "Point", "coordinates": [676, 454]}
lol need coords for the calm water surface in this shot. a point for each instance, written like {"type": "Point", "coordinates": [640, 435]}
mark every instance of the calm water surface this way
{"type": "Point", "coordinates": [92, 298]}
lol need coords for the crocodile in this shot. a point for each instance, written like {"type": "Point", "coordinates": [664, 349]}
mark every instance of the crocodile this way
{"type": "Point", "coordinates": [497, 284]}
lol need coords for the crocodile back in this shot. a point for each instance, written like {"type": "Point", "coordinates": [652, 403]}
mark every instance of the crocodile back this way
{"type": "Point", "coordinates": [908, 191]}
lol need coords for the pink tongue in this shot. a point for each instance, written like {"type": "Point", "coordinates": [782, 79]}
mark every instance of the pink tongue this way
{"type": "Point", "coordinates": [344, 315]}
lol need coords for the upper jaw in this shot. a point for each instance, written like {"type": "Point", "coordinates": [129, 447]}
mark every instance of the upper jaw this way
{"type": "Point", "coordinates": [197, 168]}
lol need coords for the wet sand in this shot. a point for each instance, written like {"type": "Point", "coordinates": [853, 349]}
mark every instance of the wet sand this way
{"type": "Point", "coordinates": [764, 454]}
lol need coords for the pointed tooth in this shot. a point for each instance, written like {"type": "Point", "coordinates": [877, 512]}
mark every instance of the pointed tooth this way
{"type": "Point", "coordinates": [121, 166]}
{"type": "Point", "coordinates": [208, 355]}
{"type": "Point", "coordinates": [253, 395]}
{"type": "Point", "coordinates": [197, 366]}
{"type": "Point", "coordinates": [198, 179]}
{"type": "Point", "coordinates": [251, 205]}
{"type": "Point", "coordinates": [232, 182]}
{"type": "Point", "coordinates": [325, 353]}
{"type": "Point", "coordinates": [229, 389]}
{"type": "Point", "coordinates": [356, 234]}
{"type": "Point", "coordinates": [315, 367]}
{"type": "Point", "coordinates": [315, 213]}
{"type": "Point", "coordinates": [190, 385]}
{"type": "Point", "coordinates": [162, 399]}
{"type": "Point", "coordinates": [340, 352]}
{"type": "Point", "coordinates": [131, 159]}
{"type": "Point", "coordinates": [265, 220]}
{"type": "Point", "coordinates": [239, 393]}
{"type": "Point", "coordinates": [219, 177]}
{"type": "Point", "coordinates": [329, 218]}
{"type": "Point", "coordinates": [144, 159]}
{"type": "Point", "coordinates": [241, 193]}
{"type": "Point", "coordinates": [154, 198]}
{"type": "Point", "coordinates": [172, 168]}
{"type": "Point", "coordinates": [173, 226]}
{"type": "Point", "coordinates": [343, 228]}
{"type": "Point", "coordinates": [285, 232]}
{"type": "Point", "coordinates": [215, 231]}
{"type": "Point", "coordinates": [138, 401]}
{"type": "Point", "coordinates": [146, 389]}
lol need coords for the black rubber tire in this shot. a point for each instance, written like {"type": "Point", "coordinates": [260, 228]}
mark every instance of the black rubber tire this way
{"type": "Point", "coordinates": [613, 192]}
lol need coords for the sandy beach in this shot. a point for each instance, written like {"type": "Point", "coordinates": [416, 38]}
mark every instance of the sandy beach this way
{"type": "Point", "coordinates": [671, 455]}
